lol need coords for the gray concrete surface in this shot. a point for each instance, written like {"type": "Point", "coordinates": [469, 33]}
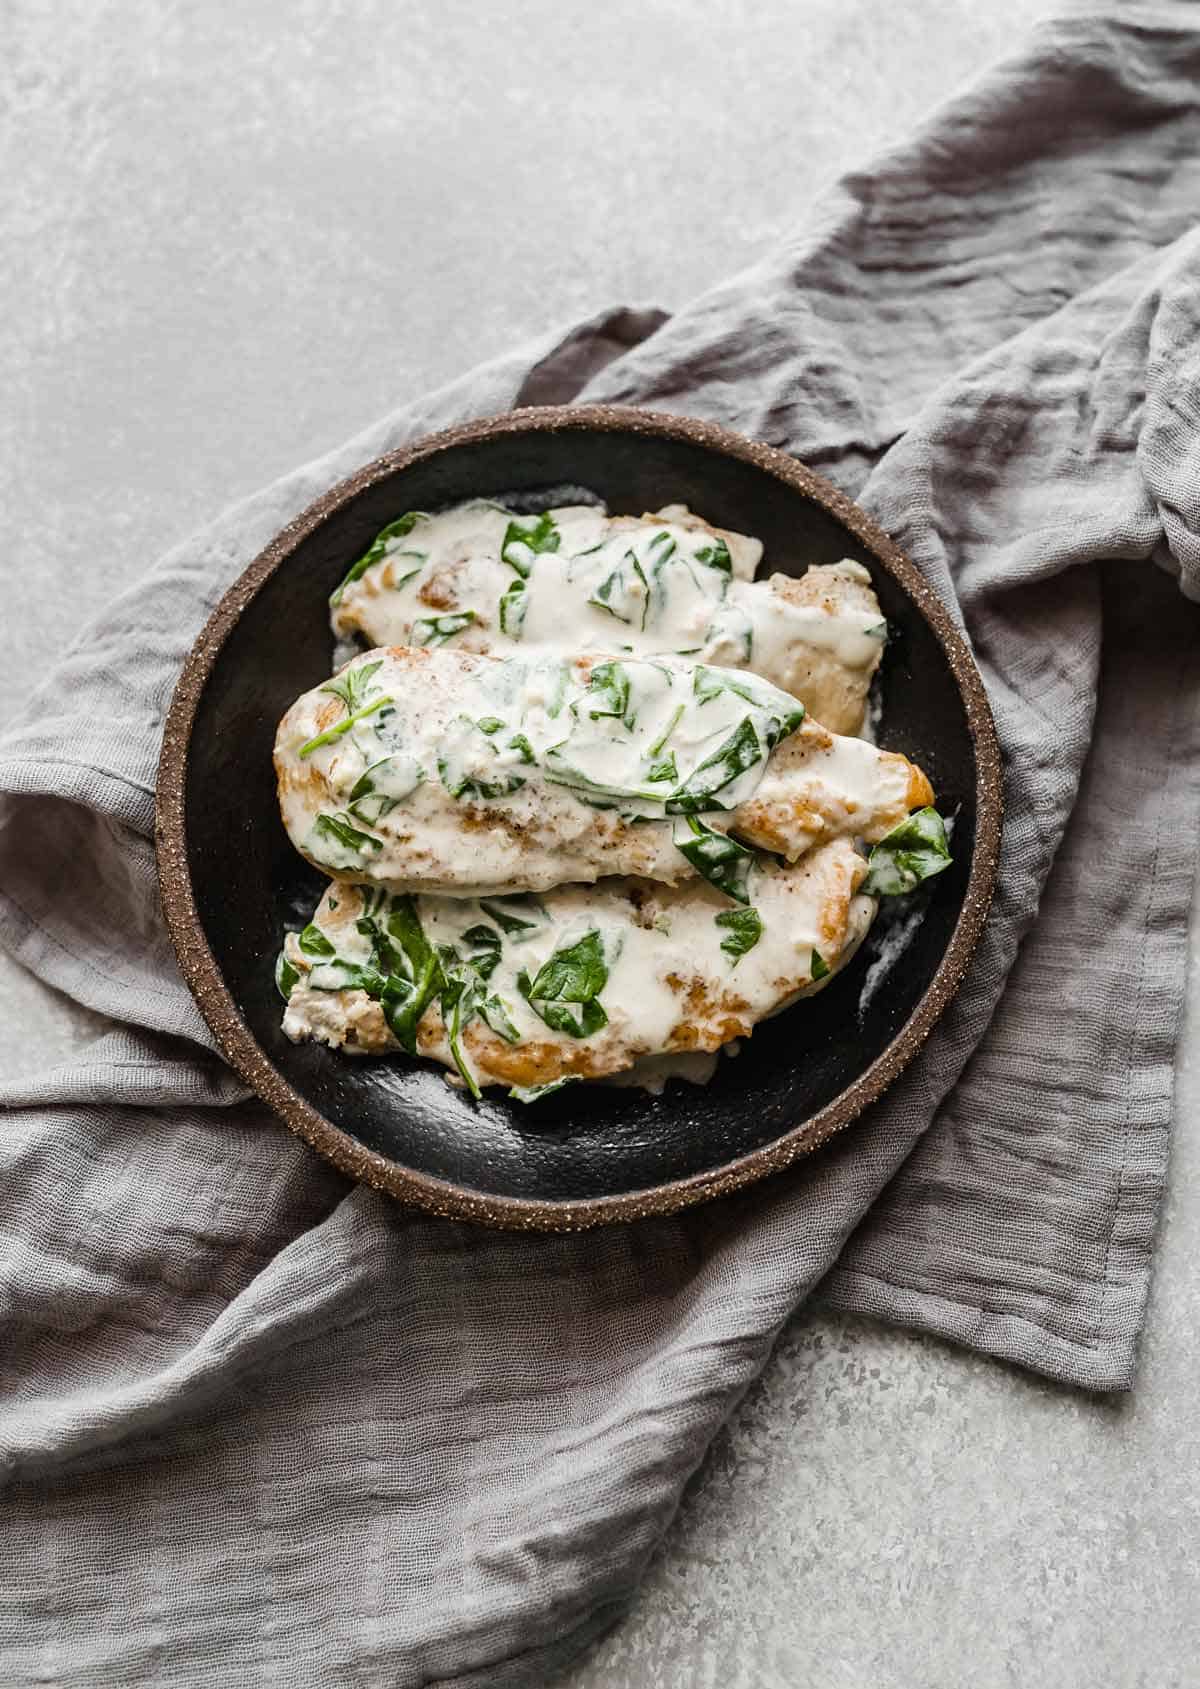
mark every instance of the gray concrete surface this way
{"type": "Point", "coordinates": [230, 234]}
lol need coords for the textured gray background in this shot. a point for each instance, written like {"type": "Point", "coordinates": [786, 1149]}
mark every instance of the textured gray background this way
{"type": "Point", "coordinates": [232, 233]}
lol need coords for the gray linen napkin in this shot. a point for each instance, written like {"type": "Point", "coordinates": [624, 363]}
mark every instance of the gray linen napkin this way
{"type": "Point", "coordinates": [258, 1425]}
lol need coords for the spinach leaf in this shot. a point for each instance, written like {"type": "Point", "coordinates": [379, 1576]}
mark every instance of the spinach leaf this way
{"type": "Point", "coordinates": [665, 769]}
{"type": "Point", "coordinates": [710, 683]}
{"type": "Point", "coordinates": [659, 552]}
{"type": "Point", "coordinates": [716, 556]}
{"type": "Point", "coordinates": [653, 750]}
{"type": "Point", "coordinates": [378, 548]}
{"type": "Point", "coordinates": [462, 785]}
{"type": "Point", "coordinates": [912, 852]}
{"type": "Point", "coordinates": [458, 1007]}
{"type": "Point", "coordinates": [482, 937]}
{"type": "Point", "coordinates": [436, 630]}
{"type": "Point", "coordinates": [557, 771]}
{"type": "Point", "coordinates": [742, 750]}
{"type": "Point", "coordinates": [343, 726]}
{"type": "Point", "coordinates": [489, 724]}
{"type": "Point", "coordinates": [521, 745]}
{"type": "Point", "coordinates": [513, 605]}
{"type": "Point", "coordinates": [402, 575]}
{"type": "Point", "coordinates": [384, 955]}
{"type": "Point", "coordinates": [381, 787]}
{"type": "Point", "coordinates": [564, 1017]}
{"type": "Point", "coordinates": [607, 693]}
{"type": "Point", "coordinates": [340, 975]}
{"type": "Point", "coordinates": [527, 536]}
{"type": "Point", "coordinates": [342, 831]}
{"type": "Point", "coordinates": [511, 914]}
{"type": "Point", "coordinates": [721, 860]}
{"type": "Point", "coordinates": [405, 1000]}
{"type": "Point", "coordinates": [820, 967]}
{"type": "Point", "coordinates": [314, 943]}
{"type": "Point", "coordinates": [557, 693]}
{"type": "Point", "coordinates": [618, 593]}
{"type": "Point", "coordinates": [566, 991]}
{"type": "Point", "coordinates": [353, 686]}
{"type": "Point", "coordinates": [745, 929]}
{"type": "Point", "coordinates": [494, 1011]}
{"type": "Point", "coordinates": [534, 1093]}
{"type": "Point", "coordinates": [285, 976]}
{"type": "Point", "coordinates": [784, 713]}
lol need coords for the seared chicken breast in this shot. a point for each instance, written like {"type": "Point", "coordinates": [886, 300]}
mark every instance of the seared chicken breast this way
{"type": "Point", "coordinates": [482, 579]}
{"type": "Point", "coordinates": [578, 984]}
{"type": "Point", "coordinates": [440, 770]}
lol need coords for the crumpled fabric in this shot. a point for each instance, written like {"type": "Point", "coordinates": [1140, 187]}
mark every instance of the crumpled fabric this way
{"type": "Point", "coordinates": [259, 1425]}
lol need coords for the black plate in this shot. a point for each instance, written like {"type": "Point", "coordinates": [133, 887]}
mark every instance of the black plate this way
{"type": "Point", "coordinates": [227, 863]}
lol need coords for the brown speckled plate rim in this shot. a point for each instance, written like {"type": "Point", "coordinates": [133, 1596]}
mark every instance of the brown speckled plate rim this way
{"type": "Point", "coordinates": [437, 1196]}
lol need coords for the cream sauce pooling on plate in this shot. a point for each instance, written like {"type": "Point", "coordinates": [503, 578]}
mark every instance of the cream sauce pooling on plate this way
{"type": "Point", "coordinates": [484, 579]}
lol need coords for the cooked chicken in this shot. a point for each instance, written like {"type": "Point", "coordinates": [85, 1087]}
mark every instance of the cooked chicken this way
{"type": "Point", "coordinates": [579, 984]}
{"type": "Point", "coordinates": [669, 582]}
{"type": "Point", "coordinates": [438, 770]}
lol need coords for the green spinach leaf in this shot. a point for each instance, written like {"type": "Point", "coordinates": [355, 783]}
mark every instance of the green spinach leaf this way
{"type": "Point", "coordinates": [494, 1011]}
{"type": "Point", "coordinates": [526, 537]}
{"type": "Point", "coordinates": [513, 605]}
{"type": "Point", "coordinates": [722, 861]}
{"type": "Point", "coordinates": [625, 593]}
{"type": "Point", "coordinates": [314, 943]}
{"type": "Point", "coordinates": [381, 787]}
{"type": "Point", "coordinates": [566, 990]}
{"type": "Point", "coordinates": [342, 831]}
{"type": "Point", "coordinates": [741, 751]}
{"type": "Point", "coordinates": [716, 556]}
{"type": "Point", "coordinates": [745, 928]}
{"type": "Point", "coordinates": [513, 914]}
{"type": "Point", "coordinates": [436, 630]}
{"type": "Point", "coordinates": [914, 851]}
{"type": "Point", "coordinates": [378, 548]}
{"type": "Point", "coordinates": [534, 1093]}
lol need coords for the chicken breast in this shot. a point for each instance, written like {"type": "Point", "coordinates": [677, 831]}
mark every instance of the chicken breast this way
{"type": "Point", "coordinates": [442, 771]}
{"type": "Point", "coordinates": [484, 580]}
{"type": "Point", "coordinates": [579, 984]}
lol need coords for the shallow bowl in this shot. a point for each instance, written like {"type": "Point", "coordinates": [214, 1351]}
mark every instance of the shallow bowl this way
{"type": "Point", "coordinates": [231, 882]}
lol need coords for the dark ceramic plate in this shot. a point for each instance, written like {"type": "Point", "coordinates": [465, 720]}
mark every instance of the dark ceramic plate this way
{"type": "Point", "coordinates": [231, 882]}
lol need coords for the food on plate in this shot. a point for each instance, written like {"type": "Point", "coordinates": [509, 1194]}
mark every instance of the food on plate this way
{"type": "Point", "coordinates": [428, 769]}
{"type": "Point", "coordinates": [483, 579]}
{"type": "Point", "coordinates": [594, 799]}
{"type": "Point", "coordinates": [580, 983]}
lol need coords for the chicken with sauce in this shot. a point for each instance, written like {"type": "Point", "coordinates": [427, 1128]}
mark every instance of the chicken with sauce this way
{"type": "Point", "coordinates": [578, 984]}
{"type": "Point", "coordinates": [438, 770]}
{"type": "Point", "coordinates": [483, 580]}
{"type": "Point", "coordinates": [568, 858]}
